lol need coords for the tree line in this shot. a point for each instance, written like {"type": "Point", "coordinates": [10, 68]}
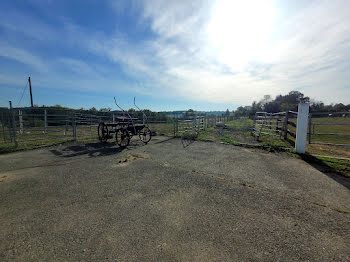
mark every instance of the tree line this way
{"type": "Point", "coordinates": [58, 110]}
{"type": "Point", "coordinates": [288, 102]}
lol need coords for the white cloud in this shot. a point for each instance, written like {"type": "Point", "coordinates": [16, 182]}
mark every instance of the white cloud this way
{"type": "Point", "coordinates": [308, 50]}
{"type": "Point", "coordinates": [22, 56]}
{"type": "Point", "coordinates": [80, 68]}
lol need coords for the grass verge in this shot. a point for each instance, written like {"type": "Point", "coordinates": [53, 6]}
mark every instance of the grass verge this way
{"type": "Point", "coordinates": [8, 148]}
{"type": "Point", "coordinates": [266, 146]}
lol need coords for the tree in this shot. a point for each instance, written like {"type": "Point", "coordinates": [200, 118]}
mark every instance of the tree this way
{"type": "Point", "coordinates": [266, 99]}
{"type": "Point", "coordinates": [242, 111]}
{"type": "Point", "coordinates": [105, 109]}
{"type": "Point", "coordinates": [189, 113]}
{"type": "Point", "coordinates": [272, 107]}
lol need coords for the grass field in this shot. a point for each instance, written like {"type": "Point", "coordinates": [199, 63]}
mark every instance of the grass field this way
{"type": "Point", "coordinates": [36, 137]}
{"type": "Point", "coordinates": [239, 132]}
{"type": "Point", "coordinates": [239, 129]}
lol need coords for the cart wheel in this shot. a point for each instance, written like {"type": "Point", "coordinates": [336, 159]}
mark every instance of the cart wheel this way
{"type": "Point", "coordinates": [102, 131]}
{"type": "Point", "coordinates": [145, 135]}
{"type": "Point", "coordinates": [122, 137]}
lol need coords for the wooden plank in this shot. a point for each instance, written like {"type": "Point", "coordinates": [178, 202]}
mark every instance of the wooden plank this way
{"type": "Point", "coordinates": [329, 144]}
{"type": "Point", "coordinates": [291, 133]}
{"type": "Point", "coordinates": [290, 142]}
{"type": "Point", "coordinates": [331, 124]}
{"type": "Point", "coordinates": [285, 125]}
{"type": "Point", "coordinates": [330, 113]}
{"type": "Point", "coordinates": [292, 123]}
{"type": "Point", "coordinates": [339, 134]}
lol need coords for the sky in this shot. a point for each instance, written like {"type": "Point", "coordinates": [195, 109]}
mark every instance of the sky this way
{"type": "Point", "coordinates": [173, 55]}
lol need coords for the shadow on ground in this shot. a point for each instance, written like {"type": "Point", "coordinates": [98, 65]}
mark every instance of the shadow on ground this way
{"type": "Point", "coordinates": [186, 142]}
{"type": "Point", "coordinates": [91, 149]}
{"type": "Point", "coordinates": [327, 170]}
{"type": "Point", "coordinates": [98, 149]}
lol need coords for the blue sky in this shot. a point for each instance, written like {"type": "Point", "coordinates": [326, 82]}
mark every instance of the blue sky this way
{"type": "Point", "coordinates": [173, 55]}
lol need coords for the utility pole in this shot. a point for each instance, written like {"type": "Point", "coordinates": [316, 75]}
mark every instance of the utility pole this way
{"type": "Point", "coordinates": [30, 90]}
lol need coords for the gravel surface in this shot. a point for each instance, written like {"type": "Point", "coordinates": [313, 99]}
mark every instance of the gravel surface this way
{"type": "Point", "coordinates": [167, 202]}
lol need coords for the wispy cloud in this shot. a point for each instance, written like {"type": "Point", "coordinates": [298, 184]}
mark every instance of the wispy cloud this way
{"type": "Point", "coordinates": [22, 56]}
{"type": "Point", "coordinates": [307, 50]}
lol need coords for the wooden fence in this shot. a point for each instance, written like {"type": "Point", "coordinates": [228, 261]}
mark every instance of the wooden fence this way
{"type": "Point", "coordinates": [329, 128]}
{"type": "Point", "coordinates": [282, 124]}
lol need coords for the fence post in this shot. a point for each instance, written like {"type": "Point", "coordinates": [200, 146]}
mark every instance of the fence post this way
{"type": "Point", "coordinates": [194, 122]}
{"type": "Point", "coordinates": [13, 124]}
{"type": "Point", "coordinates": [301, 134]}
{"type": "Point", "coordinates": [177, 125]}
{"type": "Point", "coordinates": [74, 125]}
{"type": "Point", "coordinates": [113, 118]}
{"type": "Point", "coordinates": [91, 124]}
{"type": "Point", "coordinates": [285, 126]}
{"type": "Point", "coordinates": [66, 126]}
{"type": "Point", "coordinates": [20, 117]}
{"type": "Point", "coordinates": [45, 121]}
{"type": "Point", "coordinates": [3, 126]}
{"type": "Point", "coordinates": [254, 123]}
{"type": "Point", "coordinates": [310, 120]}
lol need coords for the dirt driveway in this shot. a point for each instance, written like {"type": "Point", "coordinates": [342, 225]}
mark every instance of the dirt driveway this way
{"type": "Point", "coordinates": [169, 201]}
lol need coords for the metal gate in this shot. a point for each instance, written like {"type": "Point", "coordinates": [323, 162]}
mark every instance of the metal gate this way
{"type": "Point", "coordinates": [189, 125]}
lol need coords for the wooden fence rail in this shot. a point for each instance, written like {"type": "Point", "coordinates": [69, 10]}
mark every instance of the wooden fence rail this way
{"type": "Point", "coordinates": [275, 124]}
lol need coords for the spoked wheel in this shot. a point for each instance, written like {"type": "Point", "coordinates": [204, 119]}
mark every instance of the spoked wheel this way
{"type": "Point", "coordinates": [102, 131]}
{"type": "Point", "coordinates": [122, 137]}
{"type": "Point", "coordinates": [145, 135]}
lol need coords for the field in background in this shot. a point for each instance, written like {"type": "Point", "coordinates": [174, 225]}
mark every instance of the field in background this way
{"type": "Point", "coordinates": [239, 130]}
{"type": "Point", "coordinates": [334, 158]}
{"type": "Point", "coordinates": [235, 132]}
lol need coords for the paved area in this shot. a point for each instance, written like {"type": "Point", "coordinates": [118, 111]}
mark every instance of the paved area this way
{"type": "Point", "coordinates": [169, 201]}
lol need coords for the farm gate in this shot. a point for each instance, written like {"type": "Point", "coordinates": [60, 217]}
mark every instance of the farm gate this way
{"type": "Point", "coordinates": [282, 125]}
{"type": "Point", "coordinates": [193, 125]}
{"type": "Point", "coordinates": [324, 128]}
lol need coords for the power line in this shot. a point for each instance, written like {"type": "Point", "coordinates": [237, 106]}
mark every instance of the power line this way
{"type": "Point", "coordinates": [22, 94]}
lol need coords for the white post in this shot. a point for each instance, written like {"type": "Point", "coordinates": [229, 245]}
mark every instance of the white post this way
{"type": "Point", "coordinates": [302, 121]}
{"type": "Point", "coordinates": [20, 121]}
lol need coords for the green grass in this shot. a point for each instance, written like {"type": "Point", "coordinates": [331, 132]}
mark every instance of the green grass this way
{"type": "Point", "coordinates": [7, 148]}
{"type": "Point", "coordinates": [326, 150]}
{"type": "Point", "coordinates": [240, 134]}
{"type": "Point", "coordinates": [335, 139]}
{"type": "Point", "coordinates": [276, 143]}
{"type": "Point", "coordinates": [55, 135]}
{"type": "Point", "coordinates": [339, 166]}
{"type": "Point", "coordinates": [163, 128]}
{"type": "Point", "coordinates": [231, 141]}
{"type": "Point", "coordinates": [205, 135]}
{"type": "Point", "coordinates": [241, 123]}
